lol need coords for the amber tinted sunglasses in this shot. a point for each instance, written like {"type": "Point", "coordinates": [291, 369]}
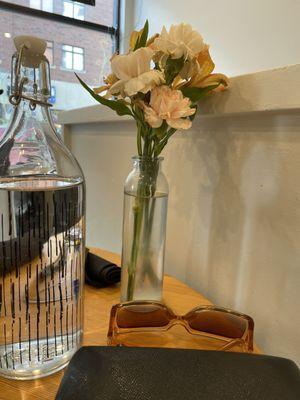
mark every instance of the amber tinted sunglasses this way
{"type": "Point", "coordinates": [148, 323]}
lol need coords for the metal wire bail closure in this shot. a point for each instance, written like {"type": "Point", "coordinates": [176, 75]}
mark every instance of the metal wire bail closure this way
{"type": "Point", "coordinates": [17, 89]}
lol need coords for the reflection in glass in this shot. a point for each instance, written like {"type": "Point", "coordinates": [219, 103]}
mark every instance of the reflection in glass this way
{"type": "Point", "coordinates": [45, 5]}
{"type": "Point", "coordinates": [73, 10]}
{"type": "Point", "coordinates": [72, 58]}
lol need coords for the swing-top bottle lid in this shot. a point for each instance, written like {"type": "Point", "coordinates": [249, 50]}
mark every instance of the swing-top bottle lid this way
{"type": "Point", "coordinates": [32, 48]}
{"type": "Point", "coordinates": [30, 77]}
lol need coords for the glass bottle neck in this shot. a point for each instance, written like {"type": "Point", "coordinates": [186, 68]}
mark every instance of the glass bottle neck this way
{"type": "Point", "coordinates": [31, 148]}
{"type": "Point", "coordinates": [32, 116]}
{"type": "Point", "coordinates": [24, 149]}
{"type": "Point", "coordinates": [145, 163]}
{"type": "Point", "coordinates": [30, 82]}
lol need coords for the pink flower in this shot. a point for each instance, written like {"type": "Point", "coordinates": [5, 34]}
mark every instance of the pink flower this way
{"type": "Point", "coordinates": [169, 105]}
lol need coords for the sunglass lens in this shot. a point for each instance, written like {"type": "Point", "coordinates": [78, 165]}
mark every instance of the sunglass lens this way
{"type": "Point", "coordinates": [142, 316]}
{"type": "Point", "coordinates": [218, 323]}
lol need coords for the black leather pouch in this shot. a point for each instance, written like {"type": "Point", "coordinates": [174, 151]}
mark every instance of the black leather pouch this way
{"type": "Point", "coordinates": [123, 373]}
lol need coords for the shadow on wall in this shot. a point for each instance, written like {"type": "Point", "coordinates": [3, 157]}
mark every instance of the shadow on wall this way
{"type": "Point", "coordinates": [234, 219]}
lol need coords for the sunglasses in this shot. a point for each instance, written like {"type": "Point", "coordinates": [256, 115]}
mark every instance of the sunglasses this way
{"type": "Point", "coordinates": [149, 323]}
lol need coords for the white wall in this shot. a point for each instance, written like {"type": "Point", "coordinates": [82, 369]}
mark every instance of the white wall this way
{"type": "Point", "coordinates": [245, 35]}
{"type": "Point", "coordinates": [234, 212]}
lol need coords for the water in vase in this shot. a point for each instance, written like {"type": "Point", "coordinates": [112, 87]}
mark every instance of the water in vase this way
{"type": "Point", "coordinates": [144, 234]}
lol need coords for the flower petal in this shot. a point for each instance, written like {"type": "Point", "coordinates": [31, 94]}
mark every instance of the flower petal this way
{"type": "Point", "coordinates": [213, 79]}
{"type": "Point", "coordinates": [100, 89]}
{"type": "Point", "coordinates": [205, 62]}
{"type": "Point", "coordinates": [179, 123]}
{"type": "Point", "coordinates": [170, 105]}
{"type": "Point", "coordinates": [134, 37]}
{"type": "Point", "coordinates": [133, 64]}
{"type": "Point", "coordinates": [152, 118]}
{"type": "Point", "coordinates": [183, 113]}
{"type": "Point", "coordinates": [180, 41]}
{"type": "Point", "coordinates": [143, 83]}
{"type": "Point", "coordinates": [117, 88]}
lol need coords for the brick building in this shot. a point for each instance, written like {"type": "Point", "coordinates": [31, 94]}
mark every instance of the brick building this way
{"type": "Point", "coordinates": [69, 48]}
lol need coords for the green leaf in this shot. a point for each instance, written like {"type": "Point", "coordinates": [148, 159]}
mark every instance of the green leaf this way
{"type": "Point", "coordinates": [139, 140]}
{"type": "Point", "coordinates": [142, 41]}
{"type": "Point", "coordinates": [172, 68]}
{"type": "Point", "coordinates": [160, 132]}
{"type": "Point", "coordinates": [162, 143]}
{"type": "Point", "coordinates": [157, 66]}
{"type": "Point", "coordinates": [196, 94]}
{"type": "Point", "coordinates": [139, 113]}
{"type": "Point", "coordinates": [118, 106]}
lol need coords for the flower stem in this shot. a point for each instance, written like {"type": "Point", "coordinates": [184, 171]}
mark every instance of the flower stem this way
{"type": "Point", "coordinates": [138, 216]}
{"type": "Point", "coordinates": [142, 217]}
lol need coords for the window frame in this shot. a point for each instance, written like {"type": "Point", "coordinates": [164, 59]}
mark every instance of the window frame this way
{"type": "Point", "coordinates": [52, 48]}
{"type": "Point", "coordinates": [113, 31]}
{"type": "Point", "coordinates": [74, 3]}
{"type": "Point", "coordinates": [63, 68]}
{"type": "Point", "coordinates": [41, 2]}
{"type": "Point", "coordinates": [88, 2]}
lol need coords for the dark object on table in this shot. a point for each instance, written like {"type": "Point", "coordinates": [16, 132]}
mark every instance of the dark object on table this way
{"type": "Point", "coordinates": [100, 272]}
{"type": "Point", "coordinates": [123, 373]}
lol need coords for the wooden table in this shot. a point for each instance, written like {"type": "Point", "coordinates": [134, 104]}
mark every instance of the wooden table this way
{"type": "Point", "coordinates": [98, 303]}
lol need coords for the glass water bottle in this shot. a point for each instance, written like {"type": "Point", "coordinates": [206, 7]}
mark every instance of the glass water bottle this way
{"type": "Point", "coordinates": [42, 228]}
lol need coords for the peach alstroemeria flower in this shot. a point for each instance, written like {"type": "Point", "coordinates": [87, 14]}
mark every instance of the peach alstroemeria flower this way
{"type": "Point", "coordinates": [134, 37]}
{"type": "Point", "coordinates": [203, 76]}
{"type": "Point", "coordinates": [180, 41]}
{"type": "Point", "coordinates": [134, 74]}
{"type": "Point", "coordinates": [169, 105]}
{"type": "Point", "coordinates": [152, 39]}
{"type": "Point", "coordinates": [109, 81]}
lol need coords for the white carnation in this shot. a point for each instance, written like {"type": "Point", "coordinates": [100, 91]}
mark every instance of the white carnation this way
{"type": "Point", "coordinates": [134, 74]}
{"type": "Point", "coordinates": [180, 41]}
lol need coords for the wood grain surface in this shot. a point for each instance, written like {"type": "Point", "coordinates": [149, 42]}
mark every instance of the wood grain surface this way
{"type": "Point", "coordinates": [97, 305]}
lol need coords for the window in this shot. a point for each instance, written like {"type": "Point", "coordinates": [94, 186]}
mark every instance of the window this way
{"type": "Point", "coordinates": [45, 5]}
{"type": "Point", "coordinates": [72, 57]}
{"type": "Point", "coordinates": [72, 44]}
{"type": "Point", "coordinates": [73, 10]}
{"type": "Point", "coordinates": [49, 53]}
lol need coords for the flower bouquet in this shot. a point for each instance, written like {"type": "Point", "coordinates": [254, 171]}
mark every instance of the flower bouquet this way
{"type": "Point", "coordinates": [159, 83]}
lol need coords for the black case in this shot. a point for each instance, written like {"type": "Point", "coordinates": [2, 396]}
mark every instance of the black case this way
{"type": "Point", "coordinates": [122, 373]}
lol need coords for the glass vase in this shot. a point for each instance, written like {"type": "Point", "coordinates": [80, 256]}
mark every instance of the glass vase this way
{"type": "Point", "coordinates": [42, 229]}
{"type": "Point", "coordinates": [144, 230]}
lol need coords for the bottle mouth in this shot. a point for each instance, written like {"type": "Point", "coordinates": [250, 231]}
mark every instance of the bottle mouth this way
{"type": "Point", "coordinates": [30, 78]}
{"type": "Point", "coordinates": [145, 158]}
